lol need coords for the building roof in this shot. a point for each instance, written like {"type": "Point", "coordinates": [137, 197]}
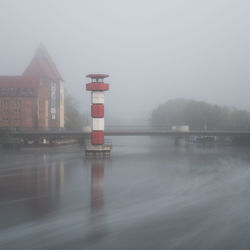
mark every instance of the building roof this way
{"type": "Point", "coordinates": [43, 66]}
{"type": "Point", "coordinates": [17, 81]}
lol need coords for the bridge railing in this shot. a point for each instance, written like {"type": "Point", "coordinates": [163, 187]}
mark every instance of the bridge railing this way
{"type": "Point", "coordinates": [106, 142]}
{"type": "Point", "coordinates": [26, 129]}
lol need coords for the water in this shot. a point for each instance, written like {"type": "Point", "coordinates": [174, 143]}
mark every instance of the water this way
{"type": "Point", "coordinates": [149, 195]}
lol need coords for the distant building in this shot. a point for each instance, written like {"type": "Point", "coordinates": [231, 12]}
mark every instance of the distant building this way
{"type": "Point", "coordinates": [36, 98]}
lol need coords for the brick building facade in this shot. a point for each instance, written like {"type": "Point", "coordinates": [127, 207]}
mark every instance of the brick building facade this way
{"type": "Point", "coordinates": [36, 98]}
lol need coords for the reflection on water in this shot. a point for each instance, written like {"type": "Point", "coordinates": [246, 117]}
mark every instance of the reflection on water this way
{"type": "Point", "coordinates": [97, 185]}
{"type": "Point", "coordinates": [37, 187]}
{"type": "Point", "coordinates": [97, 224]}
{"type": "Point", "coordinates": [150, 195]}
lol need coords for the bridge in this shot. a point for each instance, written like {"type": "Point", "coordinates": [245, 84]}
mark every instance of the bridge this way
{"type": "Point", "coordinates": [124, 132]}
{"type": "Point", "coordinates": [57, 136]}
{"type": "Point", "coordinates": [168, 132]}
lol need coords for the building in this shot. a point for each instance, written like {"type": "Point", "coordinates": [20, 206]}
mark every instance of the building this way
{"type": "Point", "coordinates": [36, 98]}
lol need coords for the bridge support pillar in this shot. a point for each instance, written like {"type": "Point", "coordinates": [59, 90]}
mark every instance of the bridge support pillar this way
{"type": "Point", "coordinates": [180, 140]}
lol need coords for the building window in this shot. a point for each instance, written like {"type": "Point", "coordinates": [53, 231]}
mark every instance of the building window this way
{"type": "Point", "coordinates": [5, 103]}
{"type": "Point", "coordinates": [24, 91]}
{"type": "Point", "coordinates": [5, 91]}
{"type": "Point", "coordinates": [18, 91]}
{"type": "Point", "coordinates": [32, 91]}
{"type": "Point", "coordinates": [17, 103]}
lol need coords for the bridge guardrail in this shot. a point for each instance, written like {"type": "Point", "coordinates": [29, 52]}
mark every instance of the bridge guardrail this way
{"type": "Point", "coordinates": [106, 142]}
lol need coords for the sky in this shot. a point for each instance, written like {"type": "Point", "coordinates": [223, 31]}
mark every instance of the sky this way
{"type": "Point", "coordinates": [153, 50]}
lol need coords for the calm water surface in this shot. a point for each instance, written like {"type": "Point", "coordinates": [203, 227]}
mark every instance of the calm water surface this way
{"type": "Point", "coordinates": [149, 195]}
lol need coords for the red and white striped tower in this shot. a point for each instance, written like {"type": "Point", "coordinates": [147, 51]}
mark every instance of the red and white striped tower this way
{"type": "Point", "coordinates": [97, 88]}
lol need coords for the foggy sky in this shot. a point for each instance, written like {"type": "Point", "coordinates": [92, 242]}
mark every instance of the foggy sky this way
{"type": "Point", "coordinates": [154, 50]}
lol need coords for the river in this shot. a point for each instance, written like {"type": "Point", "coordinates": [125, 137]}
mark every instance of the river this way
{"type": "Point", "coordinates": [151, 194]}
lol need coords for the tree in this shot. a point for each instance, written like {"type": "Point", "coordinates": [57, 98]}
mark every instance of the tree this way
{"type": "Point", "coordinates": [198, 115]}
{"type": "Point", "coordinates": [73, 118]}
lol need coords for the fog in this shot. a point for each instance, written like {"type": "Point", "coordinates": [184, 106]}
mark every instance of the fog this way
{"type": "Point", "coordinates": [153, 50]}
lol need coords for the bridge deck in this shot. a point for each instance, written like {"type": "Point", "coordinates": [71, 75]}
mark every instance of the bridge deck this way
{"type": "Point", "coordinates": [134, 132]}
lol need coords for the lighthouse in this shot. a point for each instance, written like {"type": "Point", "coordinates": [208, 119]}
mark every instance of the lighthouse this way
{"type": "Point", "coordinates": [97, 148]}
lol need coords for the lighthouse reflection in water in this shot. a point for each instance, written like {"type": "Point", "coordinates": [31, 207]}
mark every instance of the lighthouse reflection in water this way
{"type": "Point", "coordinates": [97, 186]}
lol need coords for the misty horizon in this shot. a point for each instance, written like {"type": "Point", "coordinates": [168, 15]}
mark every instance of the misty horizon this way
{"type": "Point", "coordinates": [153, 51]}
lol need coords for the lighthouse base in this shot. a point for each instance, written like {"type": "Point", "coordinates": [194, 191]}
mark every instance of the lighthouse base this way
{"type": "Point", "coordinates": [98, 151]}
